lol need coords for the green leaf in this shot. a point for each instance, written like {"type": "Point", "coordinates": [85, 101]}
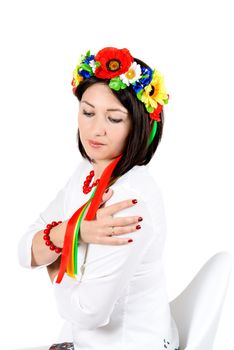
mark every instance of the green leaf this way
{"type": "Point", "coordinates": [87, 54]}
{"type": "Point", "coordinates": [115, 83]}
{"type": "Point", "coordinates": [150, 109]}
{"type": "Point", "coordinates": [97, 64]}
{"type": "Point", "coordinates": [139, 94]}
{"type": "Point", "coordinates": [86, 67]}
{"type": "Point", "coordinates": [123, 86]}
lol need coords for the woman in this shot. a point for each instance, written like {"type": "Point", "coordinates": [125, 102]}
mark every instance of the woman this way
{"type": "Point", "coordinates": [109, 286]}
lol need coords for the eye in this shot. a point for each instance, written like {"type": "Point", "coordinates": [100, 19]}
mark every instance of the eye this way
{"type": "Point", "coordinates": [115, 120]}
{"type": "Point", "coordinates": [87, 113]}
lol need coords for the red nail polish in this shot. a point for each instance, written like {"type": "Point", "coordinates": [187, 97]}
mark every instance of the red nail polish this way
{"type": "Point", "coordinates": [130, 240]}
{"type": "Point", "coordinates": [106, 190]}
{"type": "Point", "coordinates": [134, 201]}
{"type": "Point", "coordinates": [138, 227]}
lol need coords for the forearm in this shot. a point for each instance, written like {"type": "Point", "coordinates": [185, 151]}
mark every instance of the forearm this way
{"type": "Point", "coordinates": [41, 253]}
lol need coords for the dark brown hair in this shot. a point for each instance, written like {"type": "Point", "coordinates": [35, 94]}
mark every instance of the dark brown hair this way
{"type": "Point", "coordinates": [136, 151]}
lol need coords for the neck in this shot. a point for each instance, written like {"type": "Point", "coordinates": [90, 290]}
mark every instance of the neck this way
{"type": "Point", "coordinates": [99, 167]}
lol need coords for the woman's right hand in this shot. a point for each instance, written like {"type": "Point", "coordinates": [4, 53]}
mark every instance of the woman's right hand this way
{"type": "Point", "coordinates": [99, 231]}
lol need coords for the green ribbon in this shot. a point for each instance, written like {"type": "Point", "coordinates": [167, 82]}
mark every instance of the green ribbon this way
{"type": "Point", "coordinates": [153, 132]}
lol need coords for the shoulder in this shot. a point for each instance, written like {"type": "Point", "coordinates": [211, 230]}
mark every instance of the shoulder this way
{"type": "Point", "coordinates": [73, 189]}
{"type": "Point", "coordinates": [139, 180]}
{"type": "Point", "coordinates": [80, 171]}
{"type": "Point", "coordinates": [140, 184]}
{"type": "Point", "coordinates": [82, 167]}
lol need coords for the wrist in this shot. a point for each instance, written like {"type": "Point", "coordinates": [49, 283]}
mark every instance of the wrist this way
{"type": "Point", "coordinates": [51, 235]}
{"type": "Point", "coordinates": [54, 237]}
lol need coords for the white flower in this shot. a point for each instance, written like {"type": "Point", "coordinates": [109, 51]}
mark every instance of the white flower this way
{"type": "Point", "coordinates": [132, 75]}
{"type": "Point", "coordinates": [92, 65]}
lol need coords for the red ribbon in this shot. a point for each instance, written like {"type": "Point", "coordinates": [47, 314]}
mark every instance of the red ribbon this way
{"type": "Point", "coordinates": [94, 205]}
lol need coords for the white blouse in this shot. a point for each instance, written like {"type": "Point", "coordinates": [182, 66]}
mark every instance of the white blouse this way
{"type": "Point", "coordinates": [119, 299]}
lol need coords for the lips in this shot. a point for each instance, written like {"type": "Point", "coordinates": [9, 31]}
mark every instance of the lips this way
{"type": "Point", "coordinates": [95, 142]}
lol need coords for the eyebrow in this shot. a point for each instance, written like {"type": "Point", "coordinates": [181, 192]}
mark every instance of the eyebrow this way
{"type": "Point", "coordinates": [109, 110]}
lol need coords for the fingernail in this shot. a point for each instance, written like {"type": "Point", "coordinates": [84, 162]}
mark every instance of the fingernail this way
{"type": "Point", "coordinates": [106, 190]}
{"type": "Point", "coordinates": [138, 227]}
{"type": "Point", "coordinates": [134, 201]}
{"type": "Point", "coordinates": [140, 218]}
{"type": "Point", "coordinates": [130, 240]}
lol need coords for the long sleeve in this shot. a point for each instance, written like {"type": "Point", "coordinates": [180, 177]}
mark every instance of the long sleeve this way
{"type": "Point", "coordinates": [89, 303]}
{"type": "Point", "coordinates": [54, 211]}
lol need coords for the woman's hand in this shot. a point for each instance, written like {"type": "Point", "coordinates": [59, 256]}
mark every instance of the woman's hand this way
{"type": "Point", "coordinates": [98, 231]}
{"type": "Point", "coordinates": [104, 228]}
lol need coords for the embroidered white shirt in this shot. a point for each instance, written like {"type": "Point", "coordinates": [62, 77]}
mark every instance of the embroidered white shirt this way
{"type": "Point", "coordinates": [119, 299]}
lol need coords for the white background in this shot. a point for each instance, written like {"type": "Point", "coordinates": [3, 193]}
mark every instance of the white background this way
{"type": "Point", "coordinates": [191, 42]}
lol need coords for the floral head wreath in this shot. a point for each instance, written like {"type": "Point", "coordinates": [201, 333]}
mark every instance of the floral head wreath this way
{"type": "Point", "coordinates": [119, 67]}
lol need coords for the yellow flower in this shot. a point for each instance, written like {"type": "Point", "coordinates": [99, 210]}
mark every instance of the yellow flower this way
{"type": "Point", "coordinates": [76, 77]}
{"type": "Point", "coordinates": [155, 92]}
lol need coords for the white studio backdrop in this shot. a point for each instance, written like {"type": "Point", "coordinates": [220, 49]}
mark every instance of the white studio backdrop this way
{"type": "Point", "coordinates": [190, 42]}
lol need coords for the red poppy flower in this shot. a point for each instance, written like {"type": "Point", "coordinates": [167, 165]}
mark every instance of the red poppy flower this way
{"type": "Point", "coordinates": [156, 113]}
{"type": "Point", "coordinates": [113, 62]}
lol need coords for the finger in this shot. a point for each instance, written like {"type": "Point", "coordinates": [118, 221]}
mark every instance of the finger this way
{"type": "Point", "coordinates": [114, 241]}
{"type": "Point", "coordinates": [106, 196]}
{"type": "Point", "coordinates": [119, 230]}
{"type": "Point", "coordinates": [123, 221]}
{"type": "Point", "coordinates": [111, 209]}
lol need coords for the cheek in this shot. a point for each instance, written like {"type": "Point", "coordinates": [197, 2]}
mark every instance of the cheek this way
{"type": "Point", "coordinates": [121, 135]}
{"type": "Point", "coordinates": [81, 123]}
{"type": "Point", "coordinates": [80, 117]}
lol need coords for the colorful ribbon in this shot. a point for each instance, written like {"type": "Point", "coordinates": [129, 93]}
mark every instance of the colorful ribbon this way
{"type": "Point", "coordinates": [70, 247]}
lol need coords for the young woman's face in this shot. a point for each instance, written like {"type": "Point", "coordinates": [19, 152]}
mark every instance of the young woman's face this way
{"type": "Point", "coordinates": [102, 118]}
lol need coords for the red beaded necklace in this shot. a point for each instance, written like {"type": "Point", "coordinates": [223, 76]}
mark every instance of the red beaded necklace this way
{"type": "Point", "coordinates": [86, 187]}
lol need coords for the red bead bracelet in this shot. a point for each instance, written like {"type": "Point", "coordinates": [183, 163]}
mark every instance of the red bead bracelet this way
{"type": "Point", "coordinates": [46, 236]}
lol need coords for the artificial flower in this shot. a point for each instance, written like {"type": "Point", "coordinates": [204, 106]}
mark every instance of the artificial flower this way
{"type": "Point", "coordinates": [77, 78]}
{"type": "Point", "coordinates": [92, 64]}
{"type": "Point", "coordinates": [89, 58]}
{"type": "Point", "coordinates": [146, 77]}
{"type": "Point", "coordinates": [117, 84]}
{"type": "Point", "coordinates": [85, 68]}
{"type": "Point", "coordinates": [156, 113]}
{"type": "Point", "coordinates": [85, 73]}
{"type": "Point", "coordinates": [154, 92]}
{"type": "Point", "coordinates": [113, 62]}
{"type": "Point", "coordinates": [119, 67]}
{"type": "Point", "coordinates": [132, 75]}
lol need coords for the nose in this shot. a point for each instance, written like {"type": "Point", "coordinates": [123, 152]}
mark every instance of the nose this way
{"type": "Point", "coordinates": [98, 126]}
